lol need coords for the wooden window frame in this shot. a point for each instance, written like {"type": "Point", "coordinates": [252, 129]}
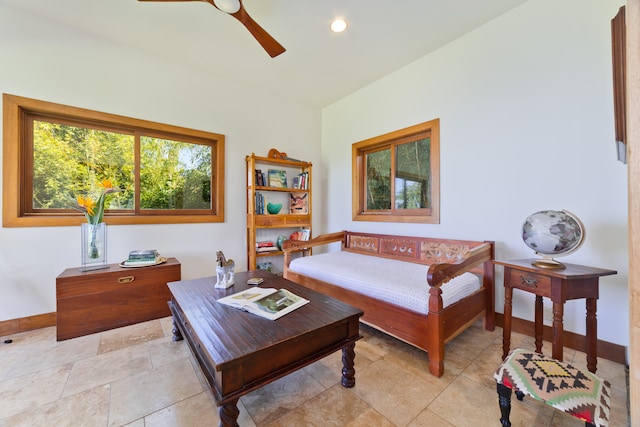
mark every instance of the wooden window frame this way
{"type": "Point", "coordinates": [15, 170]}
{"type": "Point", "coordinates": [430, 215]}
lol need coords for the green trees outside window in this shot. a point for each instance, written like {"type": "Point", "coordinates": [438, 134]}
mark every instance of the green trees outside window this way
{"type": "Point", "coordinates": [412, 173]}
{"type": "Point", "coordinates": [53, 153]}
{"type": "Point", "coordinates": [70, 160]}
{"type": "Point", "coordinates": [396, 176]}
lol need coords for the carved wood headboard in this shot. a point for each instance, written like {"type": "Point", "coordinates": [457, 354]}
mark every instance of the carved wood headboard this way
{"type": "Point", "coordinates": [422, 250]}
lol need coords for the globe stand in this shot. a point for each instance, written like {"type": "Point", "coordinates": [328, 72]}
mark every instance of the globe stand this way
{"type": "Point", "coordinates": [548, 263]}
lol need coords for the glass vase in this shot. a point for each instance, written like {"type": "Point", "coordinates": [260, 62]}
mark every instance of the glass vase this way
{"type": "Point", "coordinates": [94, 246]}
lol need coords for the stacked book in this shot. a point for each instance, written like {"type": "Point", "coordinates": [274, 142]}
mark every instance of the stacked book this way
{"type": "Point", "coordinates": [301, 182]}
{"type": "Point", "coordinates": [300, 235]}
{"type": "Point", "coordinates": [266, 246]}
{"type": "Point", "coordinates": [259, 204]}
{"type": "Point", "coordinates": [142, 257]}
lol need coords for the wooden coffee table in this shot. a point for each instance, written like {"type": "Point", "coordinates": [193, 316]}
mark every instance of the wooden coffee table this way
{"type": "Point", "coordinates": [239, 352]}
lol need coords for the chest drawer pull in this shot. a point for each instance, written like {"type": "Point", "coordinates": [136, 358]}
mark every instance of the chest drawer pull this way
{"type": "Point", "coordinates": [528, 281]}
{"type": "Point", "coordinates": [126, 279]}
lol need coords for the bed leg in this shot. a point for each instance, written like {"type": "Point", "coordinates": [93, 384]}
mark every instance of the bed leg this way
{"type": "Point", "coordinates": [436, 367]}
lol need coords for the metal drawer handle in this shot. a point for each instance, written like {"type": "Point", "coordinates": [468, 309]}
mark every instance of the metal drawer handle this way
{"type": "Point", "coordinates": [528, 281]}
{"type": "Point", "coordinates": [126, 279]}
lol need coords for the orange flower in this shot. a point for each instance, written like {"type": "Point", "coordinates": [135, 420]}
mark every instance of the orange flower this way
{"type": "Point", "coordinates": [87, 204]}
{"type": "Point", "coordinates": [94, 209]}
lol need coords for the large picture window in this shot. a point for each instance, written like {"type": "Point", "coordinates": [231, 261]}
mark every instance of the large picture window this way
{"type": "Point", "coordinates": [52, 153]}
{"type": "Point", "coordinates": [396, 176]}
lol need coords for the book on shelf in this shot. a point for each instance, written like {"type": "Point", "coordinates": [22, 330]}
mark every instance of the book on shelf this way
{"type": "Point", "coordinates": [259, 178]}
{"type": "Point", "coordinates": [277, 178]}
{"type": "Point", "coordinates": [264, 244]}
{"type": "Point", "coordinates": [266, 248]}
{"type": "Point", "coordinates": [298, 203]}
{"type": "Point", "coordinates": [300, 235]}
{"type": "Point", "coordinates": [269, 303]}
{"type": "Point", "coordinates": [259, 202]}
{"type": "Point", "coordinates": [300, 182]}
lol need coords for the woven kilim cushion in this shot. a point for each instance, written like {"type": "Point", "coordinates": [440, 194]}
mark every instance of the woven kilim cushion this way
{"type": "Point", "coordinates": [561, 385]}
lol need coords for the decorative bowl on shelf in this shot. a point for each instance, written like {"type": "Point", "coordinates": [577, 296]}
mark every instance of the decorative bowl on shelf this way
{"type": "Point", "coordinates": [274, 208]}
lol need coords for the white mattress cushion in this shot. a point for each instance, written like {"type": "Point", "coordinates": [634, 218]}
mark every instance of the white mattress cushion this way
{"type": "Point", "coordinates": [396, 282]}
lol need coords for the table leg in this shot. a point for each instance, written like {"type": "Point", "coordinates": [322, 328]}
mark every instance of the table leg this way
{"type": "Point", "coordinates": [538, 324]}
{"type": "Point", "coordinates": [592, 335]}
{"type": "Point", "coordinates": [177, 335]}
{"type": "Point", "coordinates": [558, 331]}
{"type": "Point", "coordinates": [348, 371]}
{"type": "Point", "coordinates": [506, 330]}
{"type": "Point", "coordinates": [228, 414]}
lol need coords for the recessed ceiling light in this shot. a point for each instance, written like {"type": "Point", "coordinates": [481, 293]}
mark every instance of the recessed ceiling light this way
{"type": "Point", "coordinates": [338, 26]}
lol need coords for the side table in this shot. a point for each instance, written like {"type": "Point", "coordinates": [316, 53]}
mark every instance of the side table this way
{"type": "Point", "coordinates": [560, 285]}
{"type": "Point", "coordinates": [97, 300]}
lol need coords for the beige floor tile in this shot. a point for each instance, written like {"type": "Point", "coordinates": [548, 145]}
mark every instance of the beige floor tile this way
{"type": "Point", "coordinates": [369, 349]}
{"type": "Point", "coordinates": [86, 409]}
{"type": "Point", "coordinates": [55, 353]}
{"type": "Point", "coordinates": [108, 367]}
{"type": "Point", "coordinates": [328, 371]}
{"type": "Point", "coordinates": [337, 407]}
{"type": "Point", "coordinates": [8, 359]}
{"type": "Point", "coordinates": [116, 339]}
{"type": "Point", "coordinates": [31, 340]}
{"type": "Point", "coordinates": [466, 400]}
{"type": "Point", "coordinates": [196, 411]}
{"type": "Point", "coordinates": [471, 343]}
{"type": "Point", "coordinates": [136, 423]}
{"type": "Point", "coordinates": [32, 390]}
{"type": "Point", "coordinates": [280, 397]}
{"type": "Point", "coordinates": [429, 419]}
{"type": "Point", "coordinates": [165, 350]}
{"type": "Point", "coordinates": [395, 392]}
{"type": "Point", "coordinates": [481, 370]}
{"type": "Point", "coordinates": [135, 396]}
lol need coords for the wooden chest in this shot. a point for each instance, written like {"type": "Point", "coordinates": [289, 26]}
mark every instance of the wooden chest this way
{"type": "Point", "coordinates": [94, 301]}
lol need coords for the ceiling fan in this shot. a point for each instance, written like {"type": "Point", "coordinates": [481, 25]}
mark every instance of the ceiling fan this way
{"type": "Point", "coordinates": [237, 10]}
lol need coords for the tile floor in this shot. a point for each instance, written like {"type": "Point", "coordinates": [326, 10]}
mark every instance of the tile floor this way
{"type": "Point", "coordinates": [137, 376]}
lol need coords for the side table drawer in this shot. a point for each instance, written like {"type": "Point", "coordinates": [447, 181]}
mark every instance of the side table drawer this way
{"type": "Point", "coordinates": [530, 282]}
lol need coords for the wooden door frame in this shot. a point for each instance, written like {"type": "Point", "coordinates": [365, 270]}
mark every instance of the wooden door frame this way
{"type": "Point", "coordinates": [633, 156]}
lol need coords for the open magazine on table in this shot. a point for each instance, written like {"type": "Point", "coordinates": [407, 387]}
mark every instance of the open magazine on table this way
{"type": "Point", "coordinates": [269, 303]}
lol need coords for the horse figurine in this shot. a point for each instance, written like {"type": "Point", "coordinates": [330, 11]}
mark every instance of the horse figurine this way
{"type": "Point", "coordinates": [224, 271]}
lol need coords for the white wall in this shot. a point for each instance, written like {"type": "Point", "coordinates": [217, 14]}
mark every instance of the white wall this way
{"type": "Point", "coordinates": [526, 115]}
{"type": "Point", "coordinates": [44, 61]}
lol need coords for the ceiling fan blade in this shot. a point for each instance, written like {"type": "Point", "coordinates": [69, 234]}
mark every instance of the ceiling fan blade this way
{"type": "Point", "coordinates": [269, 44]}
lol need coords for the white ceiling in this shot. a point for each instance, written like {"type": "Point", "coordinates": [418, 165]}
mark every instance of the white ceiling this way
{"type": "Point", "coordinates": [318, 68]}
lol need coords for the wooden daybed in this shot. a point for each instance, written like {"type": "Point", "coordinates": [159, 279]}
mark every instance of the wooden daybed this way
{"type": "Point", "coordinates": [447, 259]}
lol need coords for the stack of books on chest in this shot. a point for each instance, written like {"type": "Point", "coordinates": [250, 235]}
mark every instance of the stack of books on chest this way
{"type": "Point", "coordinates": [141, 258]}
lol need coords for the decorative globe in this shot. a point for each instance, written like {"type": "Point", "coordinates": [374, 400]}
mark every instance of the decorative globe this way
{"type": "Point", "coordinates": [552, 233]}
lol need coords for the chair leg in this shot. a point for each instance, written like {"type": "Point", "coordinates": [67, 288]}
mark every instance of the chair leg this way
{"type": "Point", "coordinates": [504, 400]}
